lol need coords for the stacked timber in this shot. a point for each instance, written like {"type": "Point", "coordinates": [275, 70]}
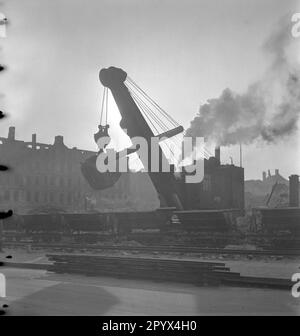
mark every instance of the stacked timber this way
{"type": "Point", "coordinates": [184, 271]}
{"type": "Point", "coordinates": [200, 273]}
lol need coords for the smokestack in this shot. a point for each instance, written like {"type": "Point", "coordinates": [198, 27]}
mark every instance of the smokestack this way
{"type": "Point", "coordinates": [264, 176]}
{"type": "Point", "coordinates": [294, 191]}
{"type": "Point", "coordinates": [59, 140]}
{"type": "Point", "coordinates": [218, 154]}
{"type": "Point", "coordinates": [33, 141]}
{"type": "Point", "coordinates": [269, 173]}
{"type": "Point", "coordinates": [11, 133]}
{"type": "Point", "coordinates": [277, 172]}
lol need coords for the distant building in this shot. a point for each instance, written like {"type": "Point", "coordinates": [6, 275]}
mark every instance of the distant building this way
{"type": "Point", "coordinates": [222, 187]}
{"type": "Point", "coordinates": [271, 191]}
{"type": "Point", "coordinates": [271, 179]}
{"type": "Point", "coordinates": [47, 178]}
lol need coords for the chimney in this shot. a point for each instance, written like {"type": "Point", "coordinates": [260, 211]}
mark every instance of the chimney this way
{"type": "Point", "coordinates": [33, 141]}
{"type": "Point", "coordinates": [269, 173]}
{"type": "Point", "coordinates": [11, 133]}
{"type": "Point", "coordinates": [277, 172]}
{"type": "Point", "coordinates": [218, 154]}
{"type": "Point", "coordinates": [264, 176]}
{"type": "Point", "coordinates": [294, 191]}
{"type": "Point", "coordinates": [59, 141]}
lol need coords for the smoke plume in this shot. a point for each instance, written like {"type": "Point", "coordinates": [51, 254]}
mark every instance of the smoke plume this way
{"type": "Point", "coordinates": [268, 110]}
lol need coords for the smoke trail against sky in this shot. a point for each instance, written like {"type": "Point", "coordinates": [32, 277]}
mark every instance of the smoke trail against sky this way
{"type": "Point", "coordinates": [269, 109]}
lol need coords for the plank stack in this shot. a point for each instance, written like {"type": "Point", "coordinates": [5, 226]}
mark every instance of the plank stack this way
{"type": "Point", "coordinates": [201, 273]}
{"type": "Point", "coordinates": [184, 271]}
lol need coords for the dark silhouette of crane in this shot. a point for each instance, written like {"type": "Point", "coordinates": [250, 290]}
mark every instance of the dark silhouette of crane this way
{"type": "Point", "coordinates": [137, 124]}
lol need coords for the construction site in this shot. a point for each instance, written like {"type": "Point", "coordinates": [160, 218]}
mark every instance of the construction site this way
{"type": "Point", "coordinates": [143, 242]}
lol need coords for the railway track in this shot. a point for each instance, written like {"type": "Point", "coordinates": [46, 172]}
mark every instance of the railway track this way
{"type": "Point", "coordinates": [158, 249]}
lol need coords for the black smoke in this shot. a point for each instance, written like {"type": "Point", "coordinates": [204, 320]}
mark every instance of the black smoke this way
{"type": "Point", "coordinates": [269, 109]}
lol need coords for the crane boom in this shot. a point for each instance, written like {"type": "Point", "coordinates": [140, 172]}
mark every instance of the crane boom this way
{"type": "Point", "coordinates": [136, 126]}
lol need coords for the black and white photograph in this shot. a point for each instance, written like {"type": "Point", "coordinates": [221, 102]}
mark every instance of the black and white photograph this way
{"type": "Point", "coordinates": [149, 161]}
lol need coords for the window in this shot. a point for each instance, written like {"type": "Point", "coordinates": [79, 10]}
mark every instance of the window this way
{"type": "Point", "coordinates": [206, 183]}
{"type": "Point", "coordinates": [28, 196]}
{"type": "Point", "coordinates": [36, 196]}
{"type": "Point", "coordinates": [16, 195]}
{"type": "Point", "coordinates": [6, 195]}
{"type": "Point", "coordinates": [69, 198]}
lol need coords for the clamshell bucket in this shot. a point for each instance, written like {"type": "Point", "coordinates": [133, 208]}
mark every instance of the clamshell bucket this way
{"type": "Point", "coordinates": [95, 179]}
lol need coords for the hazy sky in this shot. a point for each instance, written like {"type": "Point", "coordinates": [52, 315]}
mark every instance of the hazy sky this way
{"type": "Point", "coordinates": [181, 52]}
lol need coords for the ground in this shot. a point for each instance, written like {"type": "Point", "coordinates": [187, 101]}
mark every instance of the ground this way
{"type": "Point", "coordinates": [34, 292]}
{"type": "Point", "coordinates": [37, 292]}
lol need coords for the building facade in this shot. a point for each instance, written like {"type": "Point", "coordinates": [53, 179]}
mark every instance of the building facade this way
{"type": "Point", "coordinates": [47, 178]}
{"type": "Point", "coordinates": [222, 188]}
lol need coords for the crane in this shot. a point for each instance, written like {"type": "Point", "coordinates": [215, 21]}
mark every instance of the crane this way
{"type": "Point", "coordinates": [138, 120]}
